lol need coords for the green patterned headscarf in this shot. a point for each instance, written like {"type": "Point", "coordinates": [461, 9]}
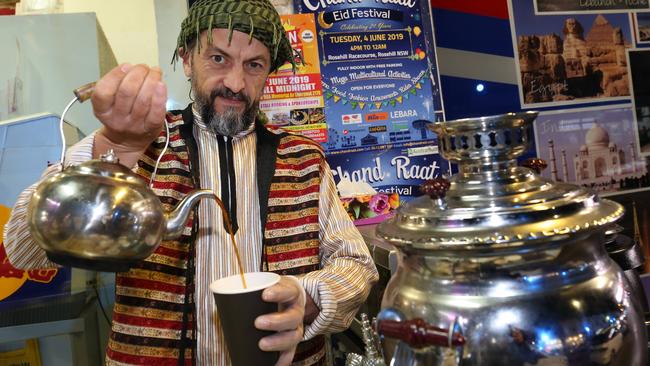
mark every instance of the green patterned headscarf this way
{"type": "Point", "coordinates": [258, 18]}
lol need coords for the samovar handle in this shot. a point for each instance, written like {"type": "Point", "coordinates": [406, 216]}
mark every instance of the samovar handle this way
{"type": "Point", "coordinates": [436, 189]}
{"type": "Point", "coordinates": [419, 334]}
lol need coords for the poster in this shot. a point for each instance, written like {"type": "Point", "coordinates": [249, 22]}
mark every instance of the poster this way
{"type": "Point", "coordinates": [569, 59]}
{"type": "Point", "coordinates": [593, 147]}
{"type": "Point", "coordinates": [642, 28]}
{"type": "Point", "coordinates": [589, 6]}
{"type": "Point", "coordinates": [378, 81]}
{"type": "Point", "coordinates": [294, 101]}
{"type": "Point", "coordinates": [394, 172]}
{"type": "Point", "coordinates": [640, 69]}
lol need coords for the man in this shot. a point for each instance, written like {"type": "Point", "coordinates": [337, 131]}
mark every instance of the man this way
{"type": "Point", "coordinates": [277, 188]}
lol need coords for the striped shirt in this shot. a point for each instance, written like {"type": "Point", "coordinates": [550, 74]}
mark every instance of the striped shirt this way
{"type": "Point", "coordinates": [347, 270]}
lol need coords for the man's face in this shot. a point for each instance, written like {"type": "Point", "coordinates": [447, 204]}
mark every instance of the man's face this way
{"type": "Point", "coordinates": [228, 79]}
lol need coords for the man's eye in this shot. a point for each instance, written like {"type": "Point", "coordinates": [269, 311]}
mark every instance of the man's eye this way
{"type": "Point", "coordinates": [217, 58]}
{"type": "Point", "coordinates": [257, 67]}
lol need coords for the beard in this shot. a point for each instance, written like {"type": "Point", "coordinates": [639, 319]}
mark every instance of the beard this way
{"type": "Point", "coordinates": [231, 122]}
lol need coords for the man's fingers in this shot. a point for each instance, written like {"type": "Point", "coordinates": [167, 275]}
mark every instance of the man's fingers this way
{"type": "Point", "coordinates": [128, 91]}
{"type": "Point", "coordinates": [281, 321]}
{"type": "Point", "coordinates": [281, 341]}
{"type": "Point", "coordinates": [103, 96]}
{"type": "Point", "coordinates": [156, 116]}
{"type": "Point", "coordinates": [288, 322]}
{"type": "Point", "coordinates": [280, 293]}
{"type": "Point", "coordinates": [144, 98]}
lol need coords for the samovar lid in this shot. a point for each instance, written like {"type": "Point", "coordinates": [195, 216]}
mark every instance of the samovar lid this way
{"type": "Point", "coordinates": [492, 202]}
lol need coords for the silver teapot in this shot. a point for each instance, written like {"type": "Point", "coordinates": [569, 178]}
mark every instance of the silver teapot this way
{"type": "Point", "coordinates": [101, 216]}
{"type": "Point", "coordinates": [499, 266]}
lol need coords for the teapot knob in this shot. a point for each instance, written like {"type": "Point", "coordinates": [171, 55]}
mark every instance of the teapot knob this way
{"type": "Point", "coordinates": [536, 164]}
{"type": "Point", "coordinates": [436, 188]}
{"type": "Point", "coordinates": [109, 157]}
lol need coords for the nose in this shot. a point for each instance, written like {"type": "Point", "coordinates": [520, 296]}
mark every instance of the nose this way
{"type": "Point", "coordinates": [234, 79]}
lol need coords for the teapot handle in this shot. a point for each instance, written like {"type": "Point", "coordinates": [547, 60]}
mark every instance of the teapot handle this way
{"type": "Point", "coordinates": [81, 94]}
{"type": "Point", "coordinates": [84, 92]}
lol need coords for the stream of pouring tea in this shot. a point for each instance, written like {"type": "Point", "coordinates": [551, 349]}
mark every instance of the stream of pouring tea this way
{"type": "Point", "coordinates": [226, 218]}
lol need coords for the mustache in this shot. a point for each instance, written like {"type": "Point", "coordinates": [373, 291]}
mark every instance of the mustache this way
{"type": "Point", "coordinates": [229, 94]}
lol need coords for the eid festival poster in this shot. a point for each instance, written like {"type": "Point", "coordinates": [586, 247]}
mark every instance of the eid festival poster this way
{"type": "Point", "coordinates": [379, 84]}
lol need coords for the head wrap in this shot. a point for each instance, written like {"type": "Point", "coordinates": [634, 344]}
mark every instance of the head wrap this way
{"type": "Point", "coordinates": [258, 18]}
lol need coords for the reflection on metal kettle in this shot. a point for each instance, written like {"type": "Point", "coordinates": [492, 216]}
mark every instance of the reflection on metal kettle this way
{"type": "Point", "coordinates": [518, 261]}
{"type": "Point", "coordinates": [101, 216]}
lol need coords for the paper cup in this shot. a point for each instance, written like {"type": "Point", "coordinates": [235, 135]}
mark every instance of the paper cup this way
{"type": "Point", "coordinates": [237, 308]}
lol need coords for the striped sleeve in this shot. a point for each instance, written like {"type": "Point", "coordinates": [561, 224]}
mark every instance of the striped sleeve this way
{"type": "Point", "coordinates": [23, 252]}
{"type": "Point", "coordinates": [347, 270]}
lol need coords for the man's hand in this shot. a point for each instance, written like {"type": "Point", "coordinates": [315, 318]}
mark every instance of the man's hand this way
{"type": "Point", "coordinates": [130, 102]}
{"type": "Point", "coordinates": [287, 322]}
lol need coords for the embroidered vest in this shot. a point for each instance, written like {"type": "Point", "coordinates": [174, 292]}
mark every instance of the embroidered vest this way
{"type": "Point", "coordinates": [153, 317]}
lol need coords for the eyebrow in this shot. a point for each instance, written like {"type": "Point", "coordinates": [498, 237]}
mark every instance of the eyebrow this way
{"type": "Point", "coordinates": [214, 48]}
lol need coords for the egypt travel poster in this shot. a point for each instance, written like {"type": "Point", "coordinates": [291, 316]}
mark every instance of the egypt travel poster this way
{"type": "Point", "coordinates": [569, 59]}
{"type": "Point", "coordinates": [589, 6]}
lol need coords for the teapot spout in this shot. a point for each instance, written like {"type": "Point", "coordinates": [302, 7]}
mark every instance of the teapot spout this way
{"type": "Point", "coordinates": [175, 220]}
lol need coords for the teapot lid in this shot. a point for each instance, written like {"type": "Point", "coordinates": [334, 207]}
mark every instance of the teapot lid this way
{"type": "Point", "coordinates": [492, 202]}
{"type": "Point", "coordinates": [107, 166]}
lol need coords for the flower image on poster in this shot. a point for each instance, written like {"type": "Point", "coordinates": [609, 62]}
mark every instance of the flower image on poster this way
{"type": "Point", "coordinates": [569, 59]}
{"type": "Point", "coordinates": [379, 78]}
{"type": "Point", "coordinates": [642, 28]}
{"type": "Point", "coordinates": [639, 61]}
{"type": "Point", "coordinates": [364, 204]}
{"type": "Point", "coordinates": [589, 6]}
{"type": "Point", "coordinates": [373, 183]}
{"type": "Point", "coordinates": [592, 147]}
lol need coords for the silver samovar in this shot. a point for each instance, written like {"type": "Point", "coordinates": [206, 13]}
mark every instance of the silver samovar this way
{"type": "Point", "coordinates": [499, 266]}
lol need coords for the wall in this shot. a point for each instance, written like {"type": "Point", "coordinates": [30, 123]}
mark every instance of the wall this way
{"type": "Point", "coordinates": [169, 15]}
{"type": "Point", "coordinates": [129, 25]}
{"type": "Point", "coordinates": [48, 56]}
{"type": "Point", "coordinates": [142, 31]}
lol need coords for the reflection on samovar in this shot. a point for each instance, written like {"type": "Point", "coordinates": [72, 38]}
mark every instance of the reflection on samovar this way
{"type": "Point", "coordinates": [499, 266]}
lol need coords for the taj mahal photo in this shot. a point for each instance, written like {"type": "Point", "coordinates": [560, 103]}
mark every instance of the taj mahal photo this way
{"type": "Point", "coordinates": [594, 149]}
